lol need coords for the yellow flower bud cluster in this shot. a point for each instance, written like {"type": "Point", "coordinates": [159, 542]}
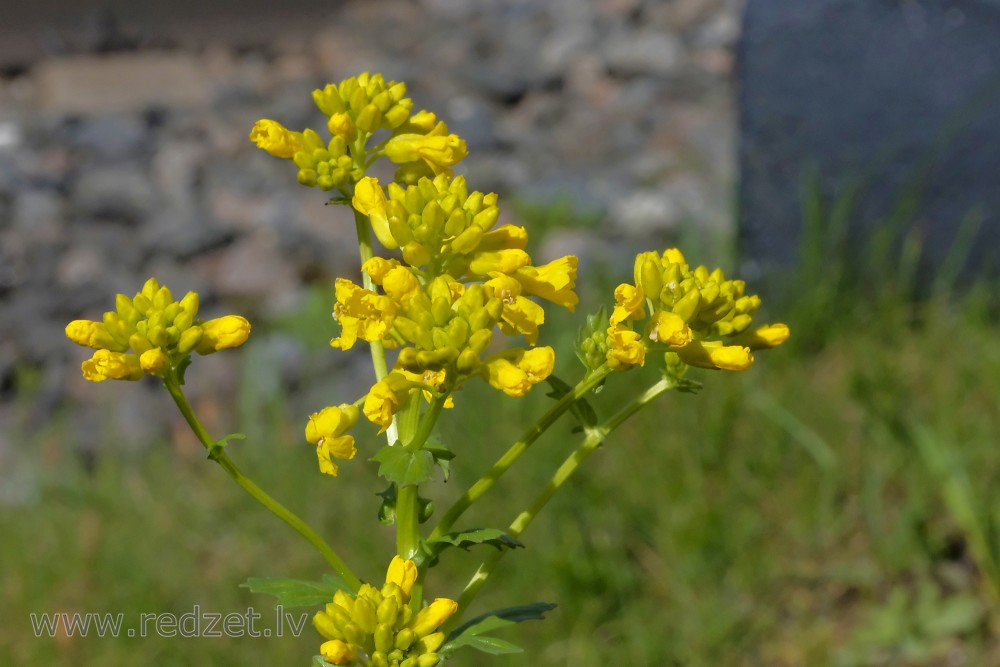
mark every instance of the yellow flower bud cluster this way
{"type": "Point", "coordinates": [378, 628]}
{"type": "Point", "coordinates": [355, 109]}
{"type": "Point", "coordinates": [152, 334]}
{"type": "Point", "coordinates": [702, 318]}
{"type": "Point", "coordinates": [363, 103]}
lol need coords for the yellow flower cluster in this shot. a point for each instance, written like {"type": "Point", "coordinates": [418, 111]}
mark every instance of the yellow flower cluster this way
{"type": "Point", "coordinates": [356, 109]}
{"type": "Point", "coordinates": [457, 278]}
{"type": "Point", "coordinates": [378, 628]}
{"type": "Point", "coordinates": [443, 329]}
{"type": "Point", "coordinates": [697, 316]}
{"type": "Point", "coordinates": [151, 333]}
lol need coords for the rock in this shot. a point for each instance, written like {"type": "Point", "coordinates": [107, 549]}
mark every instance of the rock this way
{"type": "Point", "coordinates": [120, 192]}
{"type": "Point", "coordinates": [891, 95]}
{"type": "Point", "coordinates": [121, 83]}
{"type": "Point", "coordinates": [649, 53]}
{"type": "Point", "coordinates": [110, 138]}
{"type": "Point", "coordinates": [252, 268]}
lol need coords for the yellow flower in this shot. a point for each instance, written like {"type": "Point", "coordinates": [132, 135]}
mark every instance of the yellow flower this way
{"type": "Point", "coordinates": [386, 398]}
{"type": "Point", "coordinates": [401, 285]}
{"type": "Point", "coordinates": [403, 573]}
{"type": "Point", "coordinates": [501, 261]}
{"type": "Point", "coordinates": [108, 365]}
{"type": "Point", "coordinates": [276, 139]}
{"type": "Point", "coordinates": [669, 328]}
{"type": "Point", "coordinates": [432, 616]}
{"type": "Point", "coordinates": [361, 313]}
{"type": "Point", "coordinates": [223, 333]}
{"type": "Point", "coordinates": [554, 281]}
{"type": "Point", "coordinates": [713, 354]}
{"type": "Point", "coordinates": [624, 348]}
{"type": "Point", "coordinates": [326, 430]}
{"type": "Point", "coordinates": [768, 335]}
{"type": "Point", "coordinates": [522, 316]}
{"type": "Point", "coordinates": [369, 199]}
{"type": "Point", "coordinates": [438, 152]}
{"type": "Point", "coordinates": [337, 652]}
{"type": "Point", "coordinates": [514, 373]}
{"type": "Point", "coordinates": [154, 361]}
{"type": "Point", "coordinates": [629, 303]}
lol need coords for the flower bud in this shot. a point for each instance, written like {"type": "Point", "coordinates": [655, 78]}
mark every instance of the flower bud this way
{"type": "Point", "coordinates": [222, 333]}
{"type": "Point", "coordinates": [369, 119]}
{"type": "Point", "coordinates": [154, 361]}
{"type": "Point", "coordinates": [188, 340]}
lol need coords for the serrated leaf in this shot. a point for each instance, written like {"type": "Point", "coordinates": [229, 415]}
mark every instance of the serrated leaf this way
{"type": "Point", "coordinates": [403, 467]}
{"type": "Point", "coordinates": [468, 538]}
{"type": "Point", "coordinates": [442, 455]}
{"type": "Point", "coordinates": [499, 618]}
{"type": "Point", "coordinates": [297, 592]}
{"type": "Point", "coordinates": [580, 409]}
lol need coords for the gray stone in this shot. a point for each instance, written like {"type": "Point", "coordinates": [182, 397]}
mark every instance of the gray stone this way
{"type": "Point", "coordinates": [650, 53]}
{"type": "Point", "coordinates": [109, 138]}
{"type": "Point", "coordinates": [895, 96]}
{"type": "Point", "coordinates": [117, 83]}
{"type": "Point", "coordinates": [121, 192]}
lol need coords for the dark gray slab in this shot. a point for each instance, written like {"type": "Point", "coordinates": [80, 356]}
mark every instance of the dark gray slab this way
{"type": "Point", "coordinates": [899, 96]}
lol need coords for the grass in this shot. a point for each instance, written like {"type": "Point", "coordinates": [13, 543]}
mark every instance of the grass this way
{"type": "Point", "coordinates": [836, 505]}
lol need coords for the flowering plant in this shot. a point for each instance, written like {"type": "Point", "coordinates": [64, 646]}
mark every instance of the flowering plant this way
{"type": "Point", "coordinates": [449, 298]}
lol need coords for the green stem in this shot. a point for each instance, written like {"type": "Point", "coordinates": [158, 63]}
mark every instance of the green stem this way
{"type": "Point", "coordinates": [217, 453]}
{"type": "Point", "coordinates": [366, 251]}
{"type": "Point", "coordinates": [595, 436]}
{"type": "Point", "coordinates": [484, 483]}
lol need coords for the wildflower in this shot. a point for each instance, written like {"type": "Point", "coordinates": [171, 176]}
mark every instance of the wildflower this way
{"type": "Point", "coordinates": [369, 199]}
{"type": "Point", "coordinates": [624, 348]}
{"type": "Point", "coordinates": [553, 282]}
{"type": "Point", "coordinates": [515, 372]}
{"type": "Point", "coordinates": [223, 333]}
{"type": "Point", "coordinates": [152, 333]}
{"type": "Point", "coordinates": [326, 429]}
{"type": "Point", "coordinates": [702, 317]}
{"type": "Point", "coordinates": [276, 139]}
{"type": "Point", "coordinates": [377, 626]}
{"type": "Point", "coordinates": [386, 398]}
{"type": "Point", "coordinates": [361, 313]}
{"type": "Point", "coordinates": [437, 152]}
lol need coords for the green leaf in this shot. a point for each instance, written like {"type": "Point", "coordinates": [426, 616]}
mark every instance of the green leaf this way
{"type": "Point", "coordinates": [581, 409]}
{"type": "Point", "coordinates": [471, 634]}
{"type": "Point", "coordinates": [297, 592]}
{"type": "Point", "coordinates": [400, 465]}
{"type": "Point", "coordinates": [464, 540]}
{"type": "Point", "coordinates": [468, 538]}
{"type": "Point", "coordinates": [442, 455]}
{"type": "Point", "coordinates": [499, 618]}
{"type": "Point", "coordinates": [387, 510]}
{"type": "Point", "coordinates": [319, 661]}
{"type": "Point", "coordinates": [490, 645]}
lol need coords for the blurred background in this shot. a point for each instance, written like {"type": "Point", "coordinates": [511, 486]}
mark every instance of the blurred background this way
{"type": "Point", "coordinates": [835, 505]}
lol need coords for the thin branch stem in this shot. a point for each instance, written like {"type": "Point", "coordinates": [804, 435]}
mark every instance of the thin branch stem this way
{"type": "Point", "coordinates": [217, 453]}
{"type": "Point", "coordinates": [595, 436]}
{"type": "Point", "coordinates": [486, 482]}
